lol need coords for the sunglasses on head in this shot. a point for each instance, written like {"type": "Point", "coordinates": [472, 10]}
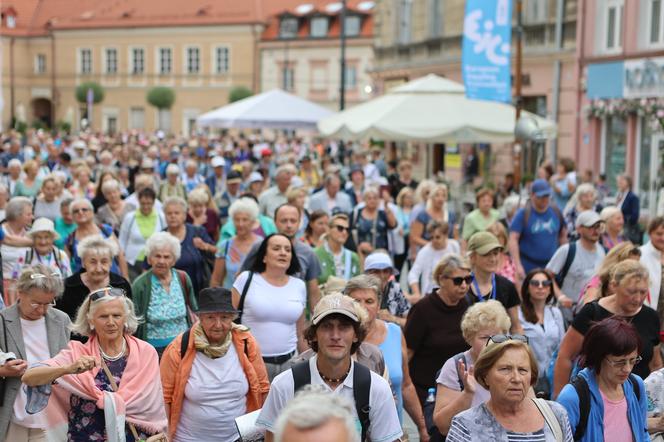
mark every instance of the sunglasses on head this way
{"type": "Point", "coordinates": [106, 291]}
{"type": "Point", "coordinates": [499, 339]}
{"type": "Point", "coordinates": [458, 280]}
{"type": "Point", "coordinates": [545, 283]}
{"type": "Point", "coordinates": [341, 228]}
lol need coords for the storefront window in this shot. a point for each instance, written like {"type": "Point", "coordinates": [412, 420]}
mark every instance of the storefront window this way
{"type": "Point", "coordinates": [644, 164]}
{"type": "Point", "coordinates": [616, 151]}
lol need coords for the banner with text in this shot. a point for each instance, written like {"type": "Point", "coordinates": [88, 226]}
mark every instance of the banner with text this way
{"type": "Point", "coordinates": [487, 37]}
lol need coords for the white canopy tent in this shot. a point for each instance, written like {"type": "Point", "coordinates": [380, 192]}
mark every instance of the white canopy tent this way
{"type": "Point", "coordinates": [430, 109]}
{"type": "Point", "coordinates": [274, 109]}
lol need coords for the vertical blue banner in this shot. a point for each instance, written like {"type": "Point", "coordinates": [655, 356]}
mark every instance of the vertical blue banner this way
{"type": "Point", "coordinates": [487, 38]}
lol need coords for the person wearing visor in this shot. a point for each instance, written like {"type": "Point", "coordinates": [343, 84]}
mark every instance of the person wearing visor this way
{"type": "Point", "coordinates": [112, 378]}
{"type": "Point", "coordinates": [394, 305]}
{"type": "Point", "coordinates": [484, 252]}
{"type": "Point", "coordinates": [31, 331]}
{"type": "Point", "coordinates": [212, 373]}
{"type": "Point", "coordinates": [507, 368]}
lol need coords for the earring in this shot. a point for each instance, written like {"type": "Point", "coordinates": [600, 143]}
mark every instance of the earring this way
{"type": "Point", "coordinates": [92, 327]}
{"type": "Point", "coordinates": [126, 327]}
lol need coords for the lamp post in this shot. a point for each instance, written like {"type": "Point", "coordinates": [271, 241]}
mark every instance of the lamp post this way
{"type": "Point", "coordinates": [342, 42]}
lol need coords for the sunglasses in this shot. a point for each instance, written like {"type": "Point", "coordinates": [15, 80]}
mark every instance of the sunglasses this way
{"type": "Point", "coordinates": [545, 283]}
{"type": "Point", "coordinates": [458, 280]}
{"type": "Point", "coordinates": [106, 291]}
{"type": "Point", "coordinates": [499, 339]}
{"type": "Point", "coordinates": [82, 209]}
{"type": "Point", "coordinates": [341, 228]}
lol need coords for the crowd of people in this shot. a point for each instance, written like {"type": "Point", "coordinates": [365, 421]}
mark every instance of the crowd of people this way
{"type": "Point", "coordinates": [162, 288]}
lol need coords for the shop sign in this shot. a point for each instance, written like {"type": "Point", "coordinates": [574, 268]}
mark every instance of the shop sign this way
{"type": "Point", "coordinates": [644, 78]}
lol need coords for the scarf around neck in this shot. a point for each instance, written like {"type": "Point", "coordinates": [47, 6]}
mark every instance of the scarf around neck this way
{"type": "Point", "coordinates": [202, 344]}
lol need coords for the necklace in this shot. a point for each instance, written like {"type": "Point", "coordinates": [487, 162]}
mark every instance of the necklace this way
{"type": "Point", "coordinates": [334, 381]}
{"type": "Point", "coordinates": [116, 357]}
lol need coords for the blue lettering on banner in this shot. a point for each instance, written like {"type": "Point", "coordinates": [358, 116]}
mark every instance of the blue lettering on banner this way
{"type": "Point", "coordinates": [487, 35]}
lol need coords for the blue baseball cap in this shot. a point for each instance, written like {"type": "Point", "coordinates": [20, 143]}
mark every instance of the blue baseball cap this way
{"type": "Point", "coordinates": [540, 188]}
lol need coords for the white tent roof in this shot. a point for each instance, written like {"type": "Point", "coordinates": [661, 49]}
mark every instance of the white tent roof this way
{"type": "Point", "coordinates": [274, 109]}
{"type": "Point", "coordinates": [429, 109]}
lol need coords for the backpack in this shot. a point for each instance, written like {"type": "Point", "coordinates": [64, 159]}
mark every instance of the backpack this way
{"type": "Point", "coordinates": [361, 389]}
{"type": "Point", "coordinates": [571, 253]}
{"type": "Point", "coordinates": [583, 392]}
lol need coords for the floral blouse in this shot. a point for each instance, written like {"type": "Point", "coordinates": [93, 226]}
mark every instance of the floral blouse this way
{"type": "Point", "coordinates": [86, 421]}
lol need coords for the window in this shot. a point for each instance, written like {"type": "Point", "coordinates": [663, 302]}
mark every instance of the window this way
{"type": "Point", "coordinates": [351, 78]}
{"type": "Point", "coordinates": [111, 125]}
{"type": "Point", "coordinates": [136, 118]}
{"type": "Point", "coordinates": [404, 20]}
{"type": "Point", "coordinates": [137, 61]}
{"type": "Point", "coordinates": [165, 61]}
{"type": "Point", "coordinates": [288, 78]}
{"type": "Point", "coordinates": [615, 149]}
{"type": "Point", "coordinates": [85, 56]}
{"type": "Point", "coordinates": [111, 61]}
{"type": "Point", "coordinates": [288, 27]}
{"type": "Point", "coordinates": [613, 25]}
{"type": "Point", "coordinates": [221, 60]}
{"type": "Point", "coordinates": [435, 22]}
{"type": "Point", "coordinates": [193, 60]}
{"type": "Point", "coordinates": [319, 27]}
{"type": "Point", "coordinates": [535, 11]}
{"type": "Point", "coordinates": [655, 15]}
{"type": "Point", "coordinates": [40, 64]}
{"type": "Point", "coordinates": [352, 26]}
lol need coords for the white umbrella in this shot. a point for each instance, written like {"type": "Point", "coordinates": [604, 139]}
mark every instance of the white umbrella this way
{"type": "Point", "coordinates": [274, 109]}
{"type": "Point", "coordinates": [430, 109]}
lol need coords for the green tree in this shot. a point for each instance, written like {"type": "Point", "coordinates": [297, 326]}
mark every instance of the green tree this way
{"type": "Point", "coordinates": [82, 92]}
{"type": "Point", "coordinates": [239, 93]}
{"type": "Point", "coordinates": [162, 98]}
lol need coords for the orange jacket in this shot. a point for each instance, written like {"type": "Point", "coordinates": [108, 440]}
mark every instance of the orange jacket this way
{"type": "Point", "coordinates": [175, 374]}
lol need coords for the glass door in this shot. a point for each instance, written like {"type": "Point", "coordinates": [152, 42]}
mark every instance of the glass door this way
{"type": "Point", "coordinates": [656, 173]}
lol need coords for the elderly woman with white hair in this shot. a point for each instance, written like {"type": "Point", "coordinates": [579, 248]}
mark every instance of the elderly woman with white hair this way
{"type": "Point", "coordinates": [97, 255]}
{"type": "Point", "coordinates": [614, 221]}
{"type": "Point", "coordinates": [191, 179]}
{"type": "Point", "coordinates": [115, 209]}
{"type": "Point", "coordinates": [19, 218]}
{"type": "Point", "coordinates": [233, 251]}
{"type": "Point", "coordinates": [164, 297]}
{"type": "Point", "coordinates": [107, 386]}
{"type": "Point", "coordinates": [38, 332]}
{"type": "Point", "coordinates": [195, 243]}
{"type": "Point", "coordinates": [172, 186]}
{"type": "Point", "coordinates": [201, 214]}
{"type": "Point", "coordinates": [585, 198]}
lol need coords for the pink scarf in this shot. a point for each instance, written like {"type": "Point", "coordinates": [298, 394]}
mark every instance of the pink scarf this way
{"type": "Point", "coordinates": [139, 399]}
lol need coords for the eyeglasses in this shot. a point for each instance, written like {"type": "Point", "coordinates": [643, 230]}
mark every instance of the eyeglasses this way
{"type": "Point", "coordinates": [79, 210]}
{"type": "Point", "coordinates": [621, 363]}
{"type": "Point", "coordinates": [499, 339]}
{"type": "Point", "coordinates": [41, 275]}
{"type": "Point", "coordinates": [458, 280]}
{"type": "Point", "coordinates": [36, 305]}
{"type": "Point", "coordinates": [545, 283]}
{"type": "Point", "coordinates": [341, 228]}
{"type": "Point", "coordinates": [106, 291]}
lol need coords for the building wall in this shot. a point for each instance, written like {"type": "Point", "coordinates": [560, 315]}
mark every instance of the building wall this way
{"type": "Point", "coordinates": [317, 69]}
{"type": "Point", "coordinates": [194, 93]}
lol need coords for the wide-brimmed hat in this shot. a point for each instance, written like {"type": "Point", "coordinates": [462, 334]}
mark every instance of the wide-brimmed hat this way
{"type": "Point", "coordinates": [483, 242]}
{"type": "Point", "coordinates": [43, 225]}
{"type": "Point", "coordinates": [336, 303]}
{"type": "Point", "coordinates": [215, 300]}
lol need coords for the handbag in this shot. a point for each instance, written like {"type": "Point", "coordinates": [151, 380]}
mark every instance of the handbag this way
{"type": "Point", "coordinates": [550, 419]}
{"type": "Point", "coordinates": [159, 437]}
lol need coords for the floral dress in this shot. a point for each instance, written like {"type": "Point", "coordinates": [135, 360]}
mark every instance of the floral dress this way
{"type": "Point", "coordinates": [86, 421]}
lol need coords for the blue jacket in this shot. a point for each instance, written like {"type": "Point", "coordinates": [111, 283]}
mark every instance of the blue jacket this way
{"type": "Point", "coordinates": [636, 410]}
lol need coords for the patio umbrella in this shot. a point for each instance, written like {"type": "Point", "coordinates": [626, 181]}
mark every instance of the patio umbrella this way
{"type": "Point", "coordinates": [430, 109]}
{"type": "Point", "coordinates": [274, 109]}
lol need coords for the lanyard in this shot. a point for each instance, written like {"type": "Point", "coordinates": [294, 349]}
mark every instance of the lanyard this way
{"type": "Point", "coordinates": [493, 288]}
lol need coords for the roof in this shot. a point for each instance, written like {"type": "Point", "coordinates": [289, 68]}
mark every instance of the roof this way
{"type": "Point", "coordinates": [304, 10]}
{"type": "Point", "coordinates": [34, 17]}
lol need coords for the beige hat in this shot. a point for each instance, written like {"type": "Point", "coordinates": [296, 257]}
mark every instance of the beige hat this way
{"type": "Point", "coordinates": [43, 225]}
{"type": "Point", "coordinates": [336, 303]}
{"type": "Point", "coordinates": [483, 242]}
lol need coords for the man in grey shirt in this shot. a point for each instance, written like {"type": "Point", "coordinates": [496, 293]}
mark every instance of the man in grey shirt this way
{"type": "Point", "coordinates": [587, 258]}
{"type": "Point", "coordinates": [287, 221]}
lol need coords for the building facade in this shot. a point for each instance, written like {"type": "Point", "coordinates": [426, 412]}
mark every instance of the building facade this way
{"type": "Point", "coordinates": [300, 52]}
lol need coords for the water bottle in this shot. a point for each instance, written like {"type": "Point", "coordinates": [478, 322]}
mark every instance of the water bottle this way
{"type": "Point", "coordinates": [431, 396]}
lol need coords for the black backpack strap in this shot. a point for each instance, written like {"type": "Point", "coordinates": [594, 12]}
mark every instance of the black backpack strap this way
{"type": "Point", "coordinates": [635, 386]}
{"type": "Point", "coordinates": [361, 390]}
{"type": "Point", "coordinates": [185, 343]}
{"type": "Point", "coordinates": [301, 375]}
{"type": "Point", "coordinates": [456, 358]}
{"type": "Point", "coordinates": [571, 253]}
{"type": "Point", "coordinates": [583, 392]}
{"type": "Point", "coordinates": [245, 289]}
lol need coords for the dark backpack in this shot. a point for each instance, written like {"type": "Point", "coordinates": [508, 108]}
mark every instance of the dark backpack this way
{"type": "Point", "coordinates": [583, 392]}
{"type": "Point", "coordinates": [361, 389]}
{"type": "Point", "coordinates": [571, 253]}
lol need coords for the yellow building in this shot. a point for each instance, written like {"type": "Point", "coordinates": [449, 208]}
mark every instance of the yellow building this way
{"type": "Point", "coordinates": [198, 48]}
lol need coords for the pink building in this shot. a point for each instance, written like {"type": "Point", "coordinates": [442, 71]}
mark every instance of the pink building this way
{"type": "Point", "coordinates": [620, 117]}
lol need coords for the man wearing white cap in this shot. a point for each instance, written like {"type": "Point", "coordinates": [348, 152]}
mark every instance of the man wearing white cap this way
{"type": "Point", "coordinates": [335, 333]}
{"type": "Point", "coordinates": [215, 182]}
{"type": "Point", "coordinates": [576, 263]}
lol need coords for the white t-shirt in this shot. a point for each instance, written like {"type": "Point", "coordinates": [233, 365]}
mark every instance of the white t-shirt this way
{"type": "Point", "coordinates": [271, 312]}
{"type": "Point", "coordinates": [36, 350]}
{"type": "Point", "coordinates": [216, 394]}
{"type": "Point", "coordinates": [426, 261]}
{"type": "Point", "coordinates": [582, 269]}
{"type": "Point", "coordinates": [384, 422]}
